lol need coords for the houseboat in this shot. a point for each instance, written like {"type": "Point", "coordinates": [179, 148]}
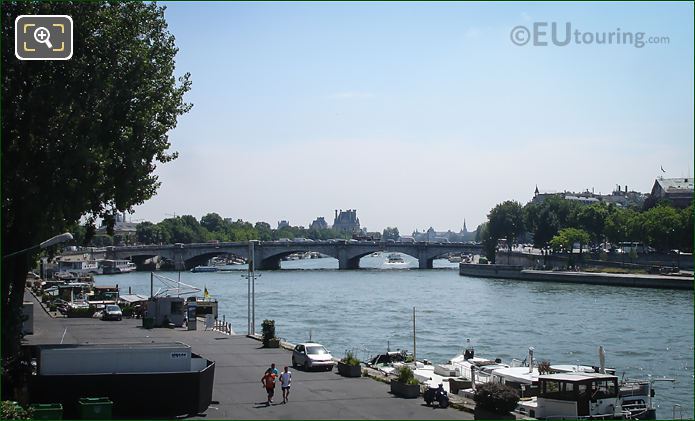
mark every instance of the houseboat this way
{"type": "Point", "coordinates": [574, 396]}
{"type": "Point", "coordinates": [78, 266]}
{"type": "Point", "coordinates": [110, 267]}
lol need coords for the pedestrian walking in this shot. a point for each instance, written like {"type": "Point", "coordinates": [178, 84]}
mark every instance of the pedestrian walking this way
{"type": "Point", "coordinates": [285, 383]}
{"type": "Point", "coordinates": [268, 381]}
{"type": "Point", "coordinates": [273, 370]}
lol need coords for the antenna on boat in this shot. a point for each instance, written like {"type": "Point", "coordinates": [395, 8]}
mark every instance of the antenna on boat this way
{"type": "Point", "coordinates": [601, 360]}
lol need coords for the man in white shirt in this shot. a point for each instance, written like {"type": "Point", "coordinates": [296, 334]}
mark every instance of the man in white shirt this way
{"type": "Point", "coordinates": [285, 383]}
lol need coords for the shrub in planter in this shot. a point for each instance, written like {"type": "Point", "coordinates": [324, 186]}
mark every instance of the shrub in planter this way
{"type": "Point", "coordinates": [349, 366]}
{"type": "Point", "coordinates": [405, 385]}
{"type": "Point", "coordinates": [495, 397]}
{"type": "Point", "coordinates": [45, 298]}
{"type": "Point", "coordinates": [268, 330]}
{"type": "Point", "coordinates": [127, 311]}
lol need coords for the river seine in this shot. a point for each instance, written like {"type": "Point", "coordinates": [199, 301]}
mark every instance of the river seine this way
{"type": "Point", "coordinates": [645, 332]}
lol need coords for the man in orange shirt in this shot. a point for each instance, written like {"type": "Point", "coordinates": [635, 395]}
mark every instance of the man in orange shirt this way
{"type": "Point", "coordinates": [268, 381]}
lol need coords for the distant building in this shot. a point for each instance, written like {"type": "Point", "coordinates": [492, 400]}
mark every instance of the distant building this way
{"type": "Point", "coordinates": [283, 224]}
{"type": "Point", "coordinates": [431, 235]}
{"type": "Point", "coordinates": [319, 224]}
{"type": "Point", "coordinates": [678, 191]}
{"type": "Point", "coordinates": [346, 221]}
{"type": "Point", "coordinates": [618, 197]}
{"type": "Point", "coordinates": [127, 230]}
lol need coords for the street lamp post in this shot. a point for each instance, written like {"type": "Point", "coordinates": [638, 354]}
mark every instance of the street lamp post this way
{"type": "Point", "coordinates": [61, 238]}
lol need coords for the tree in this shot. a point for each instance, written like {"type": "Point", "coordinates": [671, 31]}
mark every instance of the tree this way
{"type": "Point", "coordinates": [592, 219]}
{"type": "Point", "coordinates": [506, 220]}
{"type": "Point", "coordinates": [686, 237]}
{"type": "Point", "coordinates": [390, 234]}
{"type": "Point", "coordinates": [566, 239]}
{"type": "Point", "coordinates": [662, 227]}
{"type": "Point", "coordinates": [212, 222]}
{"type": "Point", "coordinates": [81, 137]}
{"type": "Point", "coordinates": [489, 243]}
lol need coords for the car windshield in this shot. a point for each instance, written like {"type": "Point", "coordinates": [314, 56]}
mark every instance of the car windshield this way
{"type": "Point", "coordinates": [316, 350]}
{"type": "Point", "coordinates": [113, 308]}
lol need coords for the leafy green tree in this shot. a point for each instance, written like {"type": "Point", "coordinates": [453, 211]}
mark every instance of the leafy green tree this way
{"type": "Point", "coordinates": [592, 219]}
{"type": "Point", "coordinates": [686, 231]}
{"type": "Point", "coordinates": [265, 232]}
{"type": "Point", "coordinates": [566, 238]}
{"type": "Point", "coordinates": [390, 234]}
{"type": "Point", "coordinates": [506, 220]}
{"type": "Point", "coordinates": [212, 222]}
{"type": "Point", "coordinates": [662, 227]}
{"type": "Point", "coordinates": [82, 136]}
{"type": "Point", "coordinates": [489, 243]}
{"type": "Point", "coordinates": [619, 224]}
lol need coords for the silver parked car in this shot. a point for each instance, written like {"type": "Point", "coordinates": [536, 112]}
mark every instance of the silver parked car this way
{"type": "Point", "coordinates": [312, 355]}
{"type": "Point", "coordinates": [111, 312]}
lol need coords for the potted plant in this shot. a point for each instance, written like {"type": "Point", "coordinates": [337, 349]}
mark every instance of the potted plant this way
{"type": "Point", "coordinates": [269, 339]}
{"type": "Point", "coordinates": [494, 401]}
{"type": "Point", "coordinates": [405, 385]}
{"type": "Point", "coordinates": [349, 366]}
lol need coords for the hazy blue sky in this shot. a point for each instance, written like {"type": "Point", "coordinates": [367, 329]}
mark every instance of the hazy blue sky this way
{"type": "Point", "coordinates": [419, 114]}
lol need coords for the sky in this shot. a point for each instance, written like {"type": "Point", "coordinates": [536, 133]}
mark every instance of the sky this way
{"type": "Point", "coordinates": [421, 114]}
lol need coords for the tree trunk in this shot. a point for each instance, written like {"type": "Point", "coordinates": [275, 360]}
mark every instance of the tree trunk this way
{"type": "Point", "coordinates": [13, 280]}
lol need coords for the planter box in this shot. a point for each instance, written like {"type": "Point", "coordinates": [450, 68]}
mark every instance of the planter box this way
{"type": "Point", "coordinates": [409, 391]}
{"type": "Point", "coordinates": [272, 343]}
{"type": "Point", "coordinates": [349, 370]}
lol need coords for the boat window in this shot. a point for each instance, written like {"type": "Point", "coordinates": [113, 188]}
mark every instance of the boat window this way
{"type": "Point", "coordinates": [581, 389]}
{"type": "Point", "coordinates": [605, 389]}
{"type": "Point", "coordinates": [558, 390]}
{"type": "Point", "coordinates": [551, 387]}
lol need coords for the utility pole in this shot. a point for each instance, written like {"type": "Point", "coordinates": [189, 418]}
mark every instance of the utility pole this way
{"type": "Point", "coordinates": [248, 278]}
{"type": "Point", "coordinates": [414, 347]}
{"type": "Point", "coordinates": [251, 288]}
{"type": "Point", "coordinates": [252, 265]}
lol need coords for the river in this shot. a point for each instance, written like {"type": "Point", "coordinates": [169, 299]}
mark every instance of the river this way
{"type": "Point", "coordinates": [645, 332]}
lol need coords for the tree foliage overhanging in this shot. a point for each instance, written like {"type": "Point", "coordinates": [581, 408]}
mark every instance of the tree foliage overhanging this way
{"type": "Point", "coordinates": [81, 138]}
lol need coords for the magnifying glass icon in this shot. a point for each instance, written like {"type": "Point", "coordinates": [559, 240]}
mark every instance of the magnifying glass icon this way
{"type": "Point", "coordinates": [43, 36]}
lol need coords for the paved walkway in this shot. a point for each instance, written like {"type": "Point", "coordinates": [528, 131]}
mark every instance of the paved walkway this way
{"type": "Point", "coordinates": [240, 363]}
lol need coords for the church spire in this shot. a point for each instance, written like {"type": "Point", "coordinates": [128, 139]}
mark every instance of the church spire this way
{"type": "Point", "coordinates": [464, 226]}
{"type": "Point", "coordinates": [536, 192]}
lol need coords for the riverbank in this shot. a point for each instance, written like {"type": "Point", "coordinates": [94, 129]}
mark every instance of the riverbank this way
{"type": "Point", "coordinates": [240, 363]}
{"type": "Point", "coordinates": [593, 278]}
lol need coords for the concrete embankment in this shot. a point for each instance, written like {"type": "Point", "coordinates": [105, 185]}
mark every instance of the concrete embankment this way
{"type": "Point", "coordinates": [614, 279]}
{"type": "Point", "coordinates": [240, 363]}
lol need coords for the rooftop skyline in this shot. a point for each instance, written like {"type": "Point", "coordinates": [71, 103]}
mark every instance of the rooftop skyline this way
{"type": "Point", "coordinates": [418, 114]}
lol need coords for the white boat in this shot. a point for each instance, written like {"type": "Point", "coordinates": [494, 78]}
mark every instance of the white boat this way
{"type": "Point", "coordinates": [455, 258]}
{"type": "Point", "coordinates": [394, 259]}
{"type": "Point", "coordinates": [117, 266]}
{"type": "Point", "coordinates": [574, 396]}
{"type": "Point", "coordinates": [205, 269]}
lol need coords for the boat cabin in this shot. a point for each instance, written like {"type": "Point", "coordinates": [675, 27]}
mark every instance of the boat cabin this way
{"type": "Point", "coordinates": [576, 395]}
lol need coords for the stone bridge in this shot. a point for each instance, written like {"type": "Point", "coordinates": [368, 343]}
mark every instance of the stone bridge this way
{"type": "Point", "coordinates": [268, 254]}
